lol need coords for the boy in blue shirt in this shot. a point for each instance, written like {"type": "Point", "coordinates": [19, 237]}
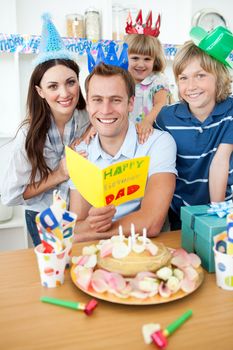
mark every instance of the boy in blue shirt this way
{"type": "Point", "coordinates": [201, 122]}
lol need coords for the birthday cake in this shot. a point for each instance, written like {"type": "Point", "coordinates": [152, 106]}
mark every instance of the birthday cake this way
{"type": "Point", "coordinates": [135, 267]}
{"type": "Point", "coordinates": [129, 258]}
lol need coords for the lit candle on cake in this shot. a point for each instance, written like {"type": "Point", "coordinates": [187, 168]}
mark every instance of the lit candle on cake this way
{"type": "Point", "coordinates": [144, 235]}
{"type": "Point", "coordinates": [130, 244]}
{"type": "Point", "coordinates": [120, 230]}
{"type": "Point", "coordinates": [132, 230]}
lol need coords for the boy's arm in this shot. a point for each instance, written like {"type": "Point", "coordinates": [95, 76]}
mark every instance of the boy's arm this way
{"type": "Point", "coordinates": [151, 215]}
{"type": "Point", "coordinates": [218, 172]}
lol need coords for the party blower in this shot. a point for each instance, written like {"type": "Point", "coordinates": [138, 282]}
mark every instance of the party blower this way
{"type": "Point", "coordinates": [152, 332]}
{"type": "Point", "coordinates": [87, 308]}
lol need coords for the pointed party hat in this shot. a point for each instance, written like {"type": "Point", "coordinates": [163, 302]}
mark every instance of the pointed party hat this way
{"type": "Point", "coordinates": [110, 58]}
{"type": "Point", "coordinates": [51, 44]}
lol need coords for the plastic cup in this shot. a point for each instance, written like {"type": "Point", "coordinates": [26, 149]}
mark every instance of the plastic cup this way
{"type": "Point", "coordinates": [51, 267]}
{"type": "Point", "coordinates": [224, 270]}
{"type": "Point", "coordinates": [68, 242]}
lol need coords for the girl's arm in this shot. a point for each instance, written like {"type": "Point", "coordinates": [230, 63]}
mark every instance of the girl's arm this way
{"type": "Point", "coordinates": [159, 100]}
{"type": "Point", "coordinates": [145, 128]}
{"type": "Point", "coordinates": [56, 177]}
{"type": "Point", "coordinates": [218, 172]}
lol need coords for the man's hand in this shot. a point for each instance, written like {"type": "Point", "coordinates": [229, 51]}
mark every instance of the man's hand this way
{"type": "Point", "coordinates": [100, 219]}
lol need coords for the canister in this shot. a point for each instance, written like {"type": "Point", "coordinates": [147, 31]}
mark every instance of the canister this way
{"type": "Point", "coordinates": [118, 22]}
{"type": "Point", "coordinates": [92, 24]}
{"type": "Point", "coordinates": [75, 25]}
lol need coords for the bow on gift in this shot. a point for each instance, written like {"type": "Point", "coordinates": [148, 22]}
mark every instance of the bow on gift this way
{"type": "Point", "coordinates": [221, 209]}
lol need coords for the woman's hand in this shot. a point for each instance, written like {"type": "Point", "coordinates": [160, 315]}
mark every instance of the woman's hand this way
{"type": "Point", "coordinates": [87, 137]}
{"type": "Point", "coordinates": [83, 153]}
{"type": "Point", "coordinates": [144, 130]}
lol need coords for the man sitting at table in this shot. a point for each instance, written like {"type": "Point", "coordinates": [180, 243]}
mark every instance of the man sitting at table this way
{"type": "Point", "coordinates": [110, 95]}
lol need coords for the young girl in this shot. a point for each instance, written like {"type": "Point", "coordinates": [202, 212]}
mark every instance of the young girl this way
{"type": "Point", "coordinates": [146, 65]}
{"type": "Point", "coordinates": [56, 116]}
{"type": "Point", "coordinates": [202, 126]}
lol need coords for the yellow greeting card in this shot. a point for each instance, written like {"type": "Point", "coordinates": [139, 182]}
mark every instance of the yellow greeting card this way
{"type": "Point", "coordinates": [116, 184]}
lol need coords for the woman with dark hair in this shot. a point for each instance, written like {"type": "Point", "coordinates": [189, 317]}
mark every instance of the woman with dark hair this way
{"type": "Point", "coordinates": [56, 116]}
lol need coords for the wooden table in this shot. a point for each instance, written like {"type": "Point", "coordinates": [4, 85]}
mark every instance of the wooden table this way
{"type": "Point", "coordinates": [27, 323]}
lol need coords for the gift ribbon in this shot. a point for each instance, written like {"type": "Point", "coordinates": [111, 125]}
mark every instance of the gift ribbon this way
{"type": "Point", "coordinates": [221, 209]}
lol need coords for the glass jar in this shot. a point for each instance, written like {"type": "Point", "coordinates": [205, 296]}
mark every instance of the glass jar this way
{"type": "Point", "coordinates": [133, 12]}
{"type": "Point", "coordinates": [75, 25]}
{"type": "Point", "coordinates": [119, 19]}
{"type": "Point", "coordinates": [118, 22]}
{"type": "Point", "coordinates": [92, 24]}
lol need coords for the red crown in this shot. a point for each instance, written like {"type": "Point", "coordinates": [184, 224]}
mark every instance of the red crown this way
{"type": "Point", "coordinates": [140, 28]}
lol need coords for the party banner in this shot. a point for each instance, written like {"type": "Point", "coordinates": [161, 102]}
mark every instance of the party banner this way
{"type": "Point", "coordinates": [30, 44]}
{"type": "Point", "coordinates": [118, 183]}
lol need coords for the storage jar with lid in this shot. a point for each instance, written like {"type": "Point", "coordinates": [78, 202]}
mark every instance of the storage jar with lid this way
{"type": "Point", "coordinates": [75, 25]}
{"type": "Point", "coordinates": [118, 22]}
{"type": "Point", "coordinates": [92, 24]}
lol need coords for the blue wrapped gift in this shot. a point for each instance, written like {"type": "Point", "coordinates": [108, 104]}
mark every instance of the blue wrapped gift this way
{"type": "Point", "coordinates": [198, 229]}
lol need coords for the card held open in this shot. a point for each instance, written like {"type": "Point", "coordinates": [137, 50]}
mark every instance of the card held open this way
{"type": "Point", "coordinates": [116, 184]}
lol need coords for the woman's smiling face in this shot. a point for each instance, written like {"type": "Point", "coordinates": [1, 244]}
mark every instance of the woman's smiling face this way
{"type": "Point", "coordinates": [60, 88]}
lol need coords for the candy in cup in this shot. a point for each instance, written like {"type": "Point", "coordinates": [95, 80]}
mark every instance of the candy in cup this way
{"type": "Point", "coordinates": [56, 229]}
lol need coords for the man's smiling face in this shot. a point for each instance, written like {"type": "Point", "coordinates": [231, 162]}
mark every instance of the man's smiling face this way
{"type": "Point", "coordinates": [108, 105]}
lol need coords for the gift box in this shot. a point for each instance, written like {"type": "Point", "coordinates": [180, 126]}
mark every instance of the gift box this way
{"type": "Point", "coordinates": [198, 230]}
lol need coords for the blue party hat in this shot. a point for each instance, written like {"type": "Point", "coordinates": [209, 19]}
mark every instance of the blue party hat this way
{"type": "Point", "coordinates": [51, 44]}
{"type": "Point", "coordinates": [110, 58]}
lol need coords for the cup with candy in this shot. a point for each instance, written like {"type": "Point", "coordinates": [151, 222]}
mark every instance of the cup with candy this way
{"type": "Point", "coordinates": [223, 255]}
{"type": "Point", "coordinates": [68, 224]}
{"type": "Point", "coordinates": [56, 226]}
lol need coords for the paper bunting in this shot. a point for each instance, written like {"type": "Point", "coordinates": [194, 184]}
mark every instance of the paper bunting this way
{"type": "Point", "coordinates": [27, 44]}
